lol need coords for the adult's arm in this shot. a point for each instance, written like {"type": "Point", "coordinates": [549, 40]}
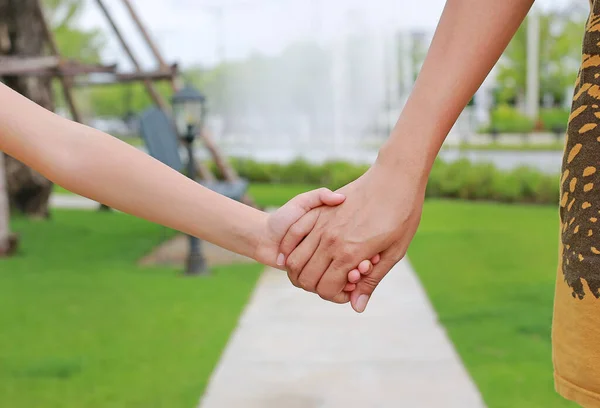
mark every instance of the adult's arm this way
{"type": "Point", "coordinates": [383, 208]}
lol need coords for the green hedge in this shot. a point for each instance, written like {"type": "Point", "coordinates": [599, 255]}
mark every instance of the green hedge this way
{"type": "Point", "coordinates": [554, 119]}
{"type": "Point", "coordinates": [476, 181]}
{"type": "Point", "coordinates": [507, 119]}
{"type": "Point", "coordinates": [461, 179]}
{"type": "Point", "coordinates": [332, 174]}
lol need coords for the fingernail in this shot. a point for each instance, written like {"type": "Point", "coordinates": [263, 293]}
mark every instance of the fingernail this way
{"type": "Point", "coordinates": [280, 260]}
{"type": "Point", "coordinates": [361, 303]}
{"type": "Point", "coordinates": [338, 195]}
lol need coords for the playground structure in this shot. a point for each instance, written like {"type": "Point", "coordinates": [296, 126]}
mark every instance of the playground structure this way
{"type": "Point", "coordinates": [54, 65]}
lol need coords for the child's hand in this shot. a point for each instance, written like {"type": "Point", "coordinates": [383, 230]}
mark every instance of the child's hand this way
{"type": "Point", "coordinates": [363, 269]}
{"type": "Point", "coordinates": [278, 223]}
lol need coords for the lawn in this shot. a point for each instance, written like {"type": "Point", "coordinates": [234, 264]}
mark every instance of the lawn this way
{"type": "Point", "coordinates": [276, 195]}
{"type": "Point", "coordinates": [83, 326]}
{"type": "Point", "coordinates": [489, 271]}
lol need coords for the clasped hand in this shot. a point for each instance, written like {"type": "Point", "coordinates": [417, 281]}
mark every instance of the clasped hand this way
{"type": "Point", "coordinates": [379, 216]}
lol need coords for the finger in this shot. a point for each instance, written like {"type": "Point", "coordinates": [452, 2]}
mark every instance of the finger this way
{"type": "Point", "coordinates": [349, 287]}
{"type": "Point", "coordinates": [365, 267]}
{"type": "Point", "coordinates": [364, 289]}
{"type": "Point", "coordinates": [341, 298]}
{"type": "Point", "coordinates": [354, 276]}
{"type": "Point", "coordinates": [297, 232]}
{"type": "Point", "coordinates": [330, 198]}
{"type": "Point", "coordinates": [315, 268]}
{"type": "Point", "coordinates": [375, 260]}
{"type": "Point", "coordinates": [316, 198]}
{"type": "Point", "coordinates": [336, 276]}
{"type": "Point", "coordinates": [300, 256]}
{"type": "Point", "coordinates": [298, 206]}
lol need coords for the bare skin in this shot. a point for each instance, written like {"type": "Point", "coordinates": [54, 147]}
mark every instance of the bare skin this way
{"type": "Point", "coordinates": [98, 166]}
{"type": "Point", "coordinates": [383, 208]}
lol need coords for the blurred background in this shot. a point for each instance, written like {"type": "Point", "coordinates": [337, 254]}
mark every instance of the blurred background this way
{"type": "Point", "coordinates": [100, 309]}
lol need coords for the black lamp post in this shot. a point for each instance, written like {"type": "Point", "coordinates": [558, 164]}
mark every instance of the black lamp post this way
{"type": "Point", "coordinates": [188, 112]}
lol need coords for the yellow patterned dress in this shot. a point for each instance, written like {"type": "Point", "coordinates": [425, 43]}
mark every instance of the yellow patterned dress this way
{"type": "Point", "coordinates": [576, 326]}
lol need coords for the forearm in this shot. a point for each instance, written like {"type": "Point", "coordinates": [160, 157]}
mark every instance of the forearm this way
{"type": "Point", "coordinates": [95, 165]}
{"type": "Point", "coordinates": [469, 40]}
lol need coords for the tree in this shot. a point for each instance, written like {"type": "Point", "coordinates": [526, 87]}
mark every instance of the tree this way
{"type": "Point", "coordinates": [73, 41]}
{"type": "Point", "coordinates": [561, 33]}
{"type": "Point", "coordinates": [8, 241]}
{"type": "Point", "coordinates": [23, 34]}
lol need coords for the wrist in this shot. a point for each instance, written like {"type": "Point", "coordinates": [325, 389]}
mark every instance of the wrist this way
{"type": "Point", "coordinates": [400, 162]}
{"type": "Point", "coordinates": [262, 245]}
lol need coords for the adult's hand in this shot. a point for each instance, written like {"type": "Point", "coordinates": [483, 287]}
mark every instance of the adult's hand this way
{"type": "Point", "coordinates": [380, 216]}
{"type": "Point", "coordinates": [383, 208]}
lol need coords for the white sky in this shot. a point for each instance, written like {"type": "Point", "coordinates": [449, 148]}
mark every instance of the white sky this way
{"type": "Point", "coordinates": [187, 31]}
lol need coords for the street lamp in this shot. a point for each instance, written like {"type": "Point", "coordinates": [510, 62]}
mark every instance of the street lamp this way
{"type": "Point", "coordinates": [189, 107]}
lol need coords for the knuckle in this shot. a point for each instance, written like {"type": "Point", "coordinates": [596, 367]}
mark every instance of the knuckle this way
{"type": "Point", "coordinates": [296, 231]}
{"type": "Point", "coordinates": [306, 284]}
{"type": "Point", "coordinates": [345, 258]}
{"type": "Point", "coordinates": [331, 289]}
{"type": "Point", "coordinates": [329, 293]}
{"type": "Point", "coordinates": [347, 254]}
{"type": "Point", "coordinates": [293, 265]}
{"type": "Point", "coordinates": [293, 279]}
{"type": "Point", "coordinates": [340, 299]}
{"type": "Point", "coordinates": [331, 239]}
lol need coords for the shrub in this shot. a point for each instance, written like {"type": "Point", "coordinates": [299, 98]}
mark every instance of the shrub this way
{"type": "Point", "coordinates": [554, 119]}
{"type": "Point", "coordinates": [338, 174]}
{"type": "Point", "coordinates": [300, 171]}
{"type": "Point", "coordinates": [506, 119]}
{"type": "Point", "coordinates": [461, 179]}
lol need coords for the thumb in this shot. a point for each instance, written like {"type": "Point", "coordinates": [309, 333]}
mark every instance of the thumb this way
{"type": "Point", "coordinates": [305, 202]}
{"type": "Point", "coordinates": [329, 197]}
{"type": "Point", "coordinates": [360, 297]}
{"type": "Point", "coordinates": [300, 205]}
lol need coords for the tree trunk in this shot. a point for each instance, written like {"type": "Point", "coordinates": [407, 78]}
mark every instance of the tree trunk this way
{"type": "Point", "coordinates": [8, 241]}
{"type": "Point", "coordinates": [21, 33]}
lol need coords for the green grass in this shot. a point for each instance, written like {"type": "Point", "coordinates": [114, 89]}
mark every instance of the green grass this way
{"type": "Point", "coordinates": [59, 190]}
{"type": "Point", "coordinates": [511, 147]}
{"type": "Point", "coordinates": [134, 141]}
{"type": "Point", "coordinates": [265, 195]}
{"type": "Point", "coordinates": [275, 195]}
{"type": "Point", "coordinates": [490, 272]}
{"type": "Point", "coordinates": [82, 326]}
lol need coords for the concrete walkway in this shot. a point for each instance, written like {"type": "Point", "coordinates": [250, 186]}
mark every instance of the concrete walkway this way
{"type": "Point", "coordinates": [293, 350]}
{"type": "Point", "coordinates": [72, 202]}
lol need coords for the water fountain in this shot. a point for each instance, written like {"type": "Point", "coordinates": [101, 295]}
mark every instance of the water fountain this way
{"type": "Point", "coordinates": [329, 94]}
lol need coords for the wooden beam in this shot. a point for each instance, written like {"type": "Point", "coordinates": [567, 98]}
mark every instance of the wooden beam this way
{"type": "Point", "coordinates": [132, 77]}
{"type": "Point", "coordinates": [149, 41]}
{"type": "Point", "coordinates": [49, 66]}
{"type": "Point", "coordinates": [64, 81]}
{"type": "Point", "coordinates": [156, 97]}
{"type": "Point", "coordinates": [17, 65]}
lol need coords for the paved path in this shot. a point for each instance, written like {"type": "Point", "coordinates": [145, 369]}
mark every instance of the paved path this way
{"type": "Point", "coordinates": [292, 350]}
{"type": "Point", "coordinates": [72, 202]}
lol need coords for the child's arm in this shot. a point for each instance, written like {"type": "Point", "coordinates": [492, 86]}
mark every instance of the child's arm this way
{"type": "Point", "coordinates": [98, 166]}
